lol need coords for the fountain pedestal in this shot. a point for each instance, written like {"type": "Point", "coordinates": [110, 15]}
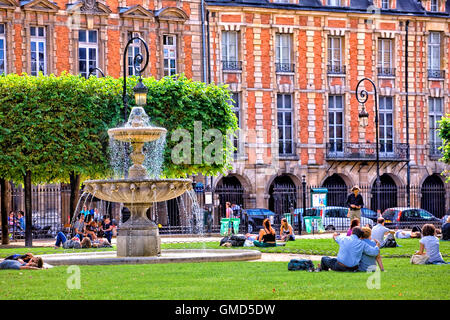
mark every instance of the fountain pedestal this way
{"type": "Point", "coordinates": [138, 237]}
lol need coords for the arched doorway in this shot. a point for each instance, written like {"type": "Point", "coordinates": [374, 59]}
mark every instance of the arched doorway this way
{"type": "Point", "coordinates": [230, 190]}
{"type": "Point", "coordinates": [388, 193]}
{"type": "Point", "coordinates": [337, 190]}
{"type": "Point", "coordinates": [283, 195]}
{"type": "Point", "coordinates": [433, 196]}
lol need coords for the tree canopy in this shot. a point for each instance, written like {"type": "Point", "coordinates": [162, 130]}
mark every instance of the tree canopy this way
{"type": "Point", "coordinates": [57, 125]}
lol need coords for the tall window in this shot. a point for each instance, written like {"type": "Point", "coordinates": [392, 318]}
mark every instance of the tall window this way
{"type": "Point", "coordinates": [434, 54]}
{"type": "Point", "coordinates": [2, 49]}
{"type": "Point", "coordinates": [386, 124]}
{"type": "Point", "coordinates": [133, 49]}
{"type": "Point", "coordinates": [170, 55]}
{"type": "Point", "coordinates": [283, 53]}
{"type": "Point", "coordinates": [385, 4]}
{"type": "Point", "coordinates": [335, 55]}
{"type": "Point", "coordinates": [237, 111]}
{"type": "Point", "coordinates": [435, 112]}
{"type": "Point", "coordinates": [434, 5]}
{"type": "Point", "coordinates": [230, 50]}
{"type": "Point", "coordinates": [38, 50]}
{"type": "Point", "coordinates": [285, 124]}
{"type": "Point", "coordinates": [87, 51]}
{"type": "Point", "coordinates": [385, 57]}
{"type": "Point", "coordinates": [336, 123]}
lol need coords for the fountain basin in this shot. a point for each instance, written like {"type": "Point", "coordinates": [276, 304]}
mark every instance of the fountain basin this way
{"type": "Point", "coordinates": [167, 256]}
{"type": "Point", "coordinates": [138, 191]}
{"type": "Point", "coordinates": [136, 134]}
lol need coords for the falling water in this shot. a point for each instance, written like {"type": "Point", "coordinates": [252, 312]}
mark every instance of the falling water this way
{"type": "Point", "coordinates": [197, 213]}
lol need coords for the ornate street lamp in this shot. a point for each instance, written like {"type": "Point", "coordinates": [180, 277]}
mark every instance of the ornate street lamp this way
{"type": "Point", "coordinates": [362, 97]}
{"type": "Point", "coordinates": [92, 70]}
{"type": "Point", "coordinates": [140, 90]}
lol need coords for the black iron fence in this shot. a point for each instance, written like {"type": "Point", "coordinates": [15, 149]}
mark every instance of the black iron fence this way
{"type": "Point", "coordinates": [386, 72]}
{"type": "Point", "coordinates": [231, 65]}
{"type": "Point", "coordinates": [336, 69]}
{"type": "Point", "coordinates": [284, 67]}
{"type": "Point", "coordinates": [365, 151]}
{"type": "Point", "coordinates": [436, 74]}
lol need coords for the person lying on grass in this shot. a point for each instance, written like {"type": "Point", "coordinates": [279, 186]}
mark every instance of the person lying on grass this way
{"type": "Point", "coordinates": [350, 252]}
{"type": "Point", "coordinates": [368, 263]}
{"type": "Point", "coordinates": [35, 263]}
{"type": "Point", "coordinates": [429, 244]}
{"type": "Point", "coordinates": [24, 257]}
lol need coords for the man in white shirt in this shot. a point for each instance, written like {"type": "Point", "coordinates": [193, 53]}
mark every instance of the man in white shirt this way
{"type": "Point", "coordinates": [379, 231]}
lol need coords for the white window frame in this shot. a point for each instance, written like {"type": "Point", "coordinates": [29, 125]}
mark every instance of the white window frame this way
{"type": "Point", "coordinates": [38, 40]}
{"type": "Point", "coordinates": [335, 45]}
{"type": "Point", "coordinates": [283, 44]}
{"type": "Point", "coordinates": [383, 126]}
{"type": "Point", "coordinates": [434, 116]}
{"type": "Point", "coordinates": [88, 45]}
{"type": "Point", "coordinates": [334, 3]}
{"type": "Point", "coordinates": [230, 49]}
{"type": "Point", "coordinates": [434, 5]}
{"type": "Point", "coordinates": [3, 48]}
{"type": "Point", "coordinates": [236, 97]}
{"type": "Point", "coordinates": [133, 49]}
{"type": "Point", "coordinates": [385, 4]}
{"type": "Point", "coordinates": [333, 110]}
{"type": "Point", "coordinates": [434, 45]}
{"type": "Point", "coordinates": [282, 112]}
{"type": "Point", "coordinates": [167, 49]}
{"type": "Point", "coordinates": [385, 46]}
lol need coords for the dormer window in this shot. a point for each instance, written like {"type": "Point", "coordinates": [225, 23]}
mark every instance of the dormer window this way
{"type": "Point", "coordinates": [334, 3]}
{"type": "Point", "coordinates": [385, 4]}
{"type": "Point", "coordinates": [434, 6]}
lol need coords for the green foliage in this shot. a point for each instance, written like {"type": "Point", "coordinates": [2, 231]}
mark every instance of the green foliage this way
{"type": "Point", "coordinates": [444, 134]}
{"type": "Point", "coordinates": [54, 125]}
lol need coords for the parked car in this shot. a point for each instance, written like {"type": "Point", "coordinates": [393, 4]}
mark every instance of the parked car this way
{"type": "Point", "coordinates": [333, 218]}
{"type": "Point", "coordinates": [369, 214]}
{"type": "Point", "coordinates": [256, 217]}
{"type": "Point", "coordinates": [404, 217]}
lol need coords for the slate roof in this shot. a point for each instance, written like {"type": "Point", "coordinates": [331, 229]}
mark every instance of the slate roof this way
{"type": "Point", "coordinates": [404, 7]}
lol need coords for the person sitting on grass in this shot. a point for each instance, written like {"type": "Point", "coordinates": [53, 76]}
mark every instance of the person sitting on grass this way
{"type": "Point", "coordinates": [368, 263]}
{"type": "Point", "coordinates": [266, 236]}
{"type": "Point", "coordinates": [379, 231]}
{"type": "Point", "coordinates": [350, 252]}
{"type": "Point", "coordinates": [355, 223]}
{"type": "Point", "coordinates": [446, 230]}
{"type": "Point", "coordinates": [35, 263]}
{"type": "Point", "coordinates": [78, 228]}
{"type": "Point", "coordinates": [91, 228]}
{"type": "Point", "coordinates": [429, 244]}
{"type": "Point", "coordinates": [286, 231]}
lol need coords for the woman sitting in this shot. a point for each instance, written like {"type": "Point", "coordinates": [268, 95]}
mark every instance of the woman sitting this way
{"type": "Point", "coordinates": [355, 223]}
{"type": "Point", "coordinates": [91, 229]}
{"type": "Point", "coordinates": [286, 231]}
{"type": "Point", "coordinates": [266, 236]}
{"type": "Point", "coordinates": [429, 245]}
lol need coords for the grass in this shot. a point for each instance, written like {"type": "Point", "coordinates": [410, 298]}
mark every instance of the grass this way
{"type": "Point", "coordinates": [321, 247]}
{"type": "Point", "coordinates": [226, 281]}
{"type": "Point", "coordinates": [300, 246]}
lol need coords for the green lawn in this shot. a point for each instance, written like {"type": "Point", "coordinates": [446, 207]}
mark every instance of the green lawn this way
{"type": "Point", "coordinates": [225, 281]}
{"type": "Point", "coordinates": [301, 246]}
{"type": "Point", "coordinates": [322, 247]}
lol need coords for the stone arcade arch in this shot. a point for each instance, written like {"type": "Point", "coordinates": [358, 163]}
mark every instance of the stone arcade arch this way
{"type": "Point", "coordinates": [337, 190]}
{"type": "Point", "coordinates": [433, 195]}
{"type": "Point", "coordinates": [388, 193]}
{"type": "Point", "coordinates": [229, 189]}
{"type": "Point", "coordinates": [283, 195]}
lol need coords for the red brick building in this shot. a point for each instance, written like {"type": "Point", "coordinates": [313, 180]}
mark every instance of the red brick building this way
{"type": "Point", "coordinates": [292, 66]}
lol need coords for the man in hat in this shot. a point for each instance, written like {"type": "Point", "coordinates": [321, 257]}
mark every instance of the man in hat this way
{"type": "Point", "coordinates": [354, 203]}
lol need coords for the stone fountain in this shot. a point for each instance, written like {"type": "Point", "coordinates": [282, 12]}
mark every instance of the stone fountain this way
{"type": "Point", "coordinates": [138, 236]}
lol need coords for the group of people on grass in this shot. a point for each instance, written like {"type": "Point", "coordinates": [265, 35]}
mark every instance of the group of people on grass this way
{"type": "Point", "coordinates": [89, 230]}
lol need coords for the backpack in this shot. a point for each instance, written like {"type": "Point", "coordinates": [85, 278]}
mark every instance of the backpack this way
{"type": "Point", "coordinates": [300, 264]}
{"type": "Point", "coordinates": [237, 241]}
{"type": "Point", "coordinates": [389, 242]}
{"type": "Point", "coordinates": [224, 239]}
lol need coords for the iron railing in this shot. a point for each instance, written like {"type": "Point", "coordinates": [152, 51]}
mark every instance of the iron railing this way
{"type": "Point", "coordinates": [436, 74]}
{"type": "Point", "coordinates": [336, 69]}
{"type": "Point", "coordinates": [386, 72]}
{"type": "Point", "coordinates": [284, 67]}
{"type": "Point", "coordinates": [231, 65]}
{"type": "Point", "coordinates": [365, 151]}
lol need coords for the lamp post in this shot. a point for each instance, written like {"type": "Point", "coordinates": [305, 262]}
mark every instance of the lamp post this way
{"type": "Point", "coordinates": [140, 90]}
{"type": "Point", "coordinates": [91, 72]}
{"type": "Point", "coordinates": [362, 97]}
{"type": "Point", "coordinates": [304, 205]}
